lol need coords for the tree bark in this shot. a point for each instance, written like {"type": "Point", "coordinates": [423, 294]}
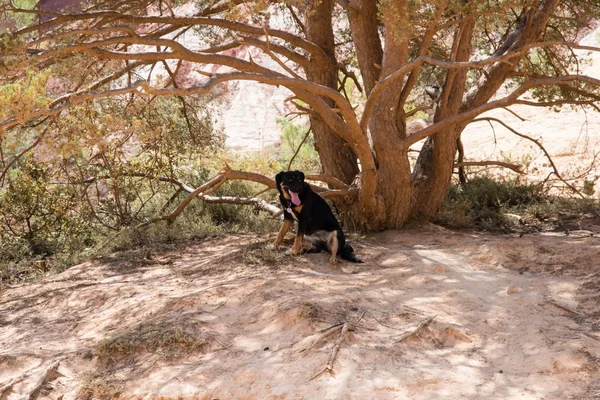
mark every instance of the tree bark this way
{"type": "Point", "coordinates": [435, 164]}
{"type": "Point", "coordinates": [362, 15]}
{"type": "Point", "coordinates": [337, 157]}
{"type": "Point", "coordinates": [434, 168]}
{"type": "Point", "coordinates": [388, 133]}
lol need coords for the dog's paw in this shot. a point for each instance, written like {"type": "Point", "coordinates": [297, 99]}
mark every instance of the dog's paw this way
{"type": "Point", "coordinates": [272, 246]}
{"type": "Point", "coordinates": [333, 261]}
{"type": "Point", "coordinates": [296, 250]}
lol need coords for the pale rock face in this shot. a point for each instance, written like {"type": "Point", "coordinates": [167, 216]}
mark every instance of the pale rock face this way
{"type": "Point", "coordinates": [250, 121]}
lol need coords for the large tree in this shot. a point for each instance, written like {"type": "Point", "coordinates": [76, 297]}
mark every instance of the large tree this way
{"type": "Point", "coordinates": [389, 49]}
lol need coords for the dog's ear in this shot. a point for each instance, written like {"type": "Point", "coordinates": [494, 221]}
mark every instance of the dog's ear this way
{"type": "Point", "coordinates": [278, 178]}
{"type": "Point", "coordinates": [301, 174]}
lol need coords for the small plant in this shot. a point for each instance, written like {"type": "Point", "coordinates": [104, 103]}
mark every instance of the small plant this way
{"type": "Point", "coordinates": [509, 205]}
{"type": "Point", "coordinates": [99, 387]}
{"type": "Point", "coordinates": [298, 138]}
{"type": "Point", "coordinates": [260, 254]}
{"type": "Point", "coordinates": [588, 186]}
{"type": "Point", "coordinates": [482, 202]}
{"type": "Point", "coordinates": [166, 339]}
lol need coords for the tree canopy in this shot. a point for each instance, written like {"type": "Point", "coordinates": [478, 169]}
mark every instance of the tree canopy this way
{"type": "Point", "coordinates": [99, 89]}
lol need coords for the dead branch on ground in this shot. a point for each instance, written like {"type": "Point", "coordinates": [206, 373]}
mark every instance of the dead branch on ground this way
{"type": "Point", "coordinates": [547, 337]}
{"type": "Point", "coordinates": [7, 387]}
{"type": "Point", "coordinates": [334, 351]}
{"type": "Point", "coordinates": [563, 307]}
{"type": "Point", "coordinates": [325, 333]}
{"type": "Point", "coordinates": [203, 192]}
{"type": "Point", "coordinates": [51, 369]}
{"type": "Point", "coordinates": [421, 325]}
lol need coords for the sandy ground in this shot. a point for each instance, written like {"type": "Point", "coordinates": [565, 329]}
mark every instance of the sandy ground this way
{"type": "Point", "coordinates": [514, 318]}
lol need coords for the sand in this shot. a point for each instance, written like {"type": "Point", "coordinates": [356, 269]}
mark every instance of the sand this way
{"type": "Point", "coordinates": [513, 318]}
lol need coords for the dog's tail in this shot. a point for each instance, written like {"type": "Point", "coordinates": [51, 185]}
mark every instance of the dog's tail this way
{"type": "Point", "coordinates": [348, 254]}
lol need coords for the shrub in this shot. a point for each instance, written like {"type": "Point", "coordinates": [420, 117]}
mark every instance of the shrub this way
{"type": "Point", "coordinates": [483, 202]}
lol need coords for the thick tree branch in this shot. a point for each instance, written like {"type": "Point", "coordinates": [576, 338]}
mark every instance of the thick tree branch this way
{"type": "Point", "coordinates": [176, 22]}
{"type": "Point", "coordinates": [417, 62]}
{"type": "Point", "coordinates": [506, 101]}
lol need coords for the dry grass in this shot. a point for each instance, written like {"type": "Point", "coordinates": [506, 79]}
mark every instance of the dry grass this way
{"type": "Point", "coordinates": [164, 339]}
{"type": "Point", "coordinates": [260, 254]}
{"type": "Point", "coordinates": [99, 387]}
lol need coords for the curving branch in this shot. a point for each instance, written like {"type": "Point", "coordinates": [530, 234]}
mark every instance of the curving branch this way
{"type": "Point", "coordinates": [500, 103]}
{"type": "Point", "coordinates": [17, 157]}
{"type": "Point", "coordinates": [478, 64]}
{"type": "Point", "coordinates": [538, 144]}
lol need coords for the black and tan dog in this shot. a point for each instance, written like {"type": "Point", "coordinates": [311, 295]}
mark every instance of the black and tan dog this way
{"type": "Point", "coordinates": [318, 229]}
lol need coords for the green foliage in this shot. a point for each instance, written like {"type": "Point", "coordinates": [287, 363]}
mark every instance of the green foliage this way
{"type": "Point", "coordinates": [35, 209]}
{"type": "Point", "coordinates": [23, 97]}
{"type": "Point", "coordinates": [508, 205]}
{"type": "Point", "coordinates": [483, 202]}
{"type": "Point", "coordinates": [94, 173]}
{"type": "Point", "coordinates": [22, 19]}
{"type": "Point", "coordinates": [292, 137]}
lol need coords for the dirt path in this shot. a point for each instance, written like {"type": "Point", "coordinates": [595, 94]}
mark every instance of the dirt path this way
{"type": "Point", "coordinates": [515, 317]}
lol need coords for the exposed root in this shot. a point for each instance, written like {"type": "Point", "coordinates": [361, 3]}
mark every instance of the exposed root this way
{"type": "Point", "coordinates": [421, 325]}
{"type": "Point", "coordinates": [325, 333]}
{"type": "Point", "coordinates": [43, 378]}
{"type": "Point", "coordinates": [8, 387]}
{"type": "Point", "coordinates": [334, 351]}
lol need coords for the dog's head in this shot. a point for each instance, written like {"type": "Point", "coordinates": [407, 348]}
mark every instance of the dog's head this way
{"type": "Point", "coordinates": [290, 184]}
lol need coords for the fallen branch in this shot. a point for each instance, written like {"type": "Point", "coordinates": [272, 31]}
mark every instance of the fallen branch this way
{"type": "Point", "coordinates": [421, 325]}
{"type": "Point", "coordinates": [547, 337]}
{"type": "Point", "coordinates": [9, 385]}
{"type": "Point", "coordinates": [254, 201]}
{"type": "Point", "coordinates": [43, 378]}
{"type": "Point", "coordinates": [336, 348]}
{"type": "Point", "coordinates": [334, 351]}
{"type": "Point", "coordinates": [325, 334]}
{"type": "Point", "coordinates": [514, 167]}
{"type": "Point", "coordinates": [554, 303]}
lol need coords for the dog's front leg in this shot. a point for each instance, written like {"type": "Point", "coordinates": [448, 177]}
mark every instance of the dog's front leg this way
{"type": "Point", "coordinates": [334, 245]}
{"type": "Point", "coordinates": [285, 227]}
{"type": "Point", "coordinates": [297, 247]}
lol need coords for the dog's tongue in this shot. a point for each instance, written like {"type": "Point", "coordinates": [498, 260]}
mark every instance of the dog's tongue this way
{"type": "Point", "coordinates": [295, 198]}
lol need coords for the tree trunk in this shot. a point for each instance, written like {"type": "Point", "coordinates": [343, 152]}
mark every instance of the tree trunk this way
{"type": "Point", "coordinates": [337, 157]}
{"type": "Point", "coordinates": [362, 15]}
{"type": "Point", "coordinates": [435, 164]}
{"type": "Point", "coordinates": [388, 133]}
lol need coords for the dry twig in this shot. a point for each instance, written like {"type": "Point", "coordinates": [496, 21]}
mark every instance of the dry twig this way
{"type": "Point", "coordinates": [334, 351]}
{"type": "Point", "coordinates": [43, 378]}
{"type": "Point", "coordinates": [554, 303]}
{"type": "Point", "coordinates": [421, 325]}
{"type": "Point", "coordinates": [547, 337]}
{"type": "Point", "coordinates": [325, 333]}
{"type": "Point", "coordinates": [9, 385]}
